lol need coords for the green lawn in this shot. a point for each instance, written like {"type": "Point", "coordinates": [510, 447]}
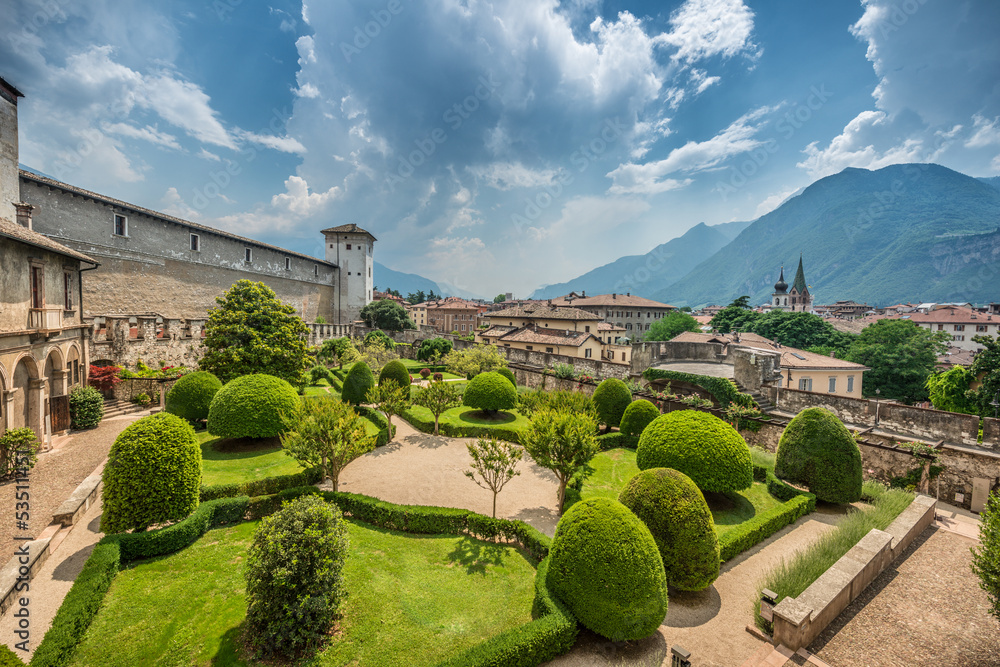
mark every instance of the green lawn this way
{"type": "Point", "coordinates": [614, 468]}
{"type": "Point", "coordinates": [464, 416]}
{"type": "Point", "coordinates": [412, 600]}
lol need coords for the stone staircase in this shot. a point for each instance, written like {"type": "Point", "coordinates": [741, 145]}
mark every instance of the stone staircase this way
{"type": "Point", "coordinates": [762, 402]}
{"type": "Point", "coordinates": [116, 408]}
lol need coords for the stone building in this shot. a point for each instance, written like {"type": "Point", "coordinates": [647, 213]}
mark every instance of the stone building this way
{"type": "Point", "coordinates": [634, 314]}
{"type": "Point", "coordinates": [452, 314]}
{"type": "Point", "coordinates": [798, 298]}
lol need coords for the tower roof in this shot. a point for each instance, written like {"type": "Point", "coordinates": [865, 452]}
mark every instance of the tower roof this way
{"type": "Point", "coordinates": [348, 229]}
{"type": "Point", "coordinates": [781, 286]}
{"type": "Point", "coordinates": [800, 279]}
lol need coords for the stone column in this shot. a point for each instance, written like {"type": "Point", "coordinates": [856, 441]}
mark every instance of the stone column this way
{"type": "Point", "coordinates": [146, 328]}
{"type": "Point", "coordinates": [58, 382]}
{"type": "Point", "coordinates": [36, 403]}
{"type": "Point", "coordinates": [7, 398]}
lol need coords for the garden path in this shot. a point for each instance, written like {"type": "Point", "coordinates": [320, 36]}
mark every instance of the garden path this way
{"type": "Point", "coordinates": [422, 469]}
{"type": "Point", "coordinates": [711, 624]}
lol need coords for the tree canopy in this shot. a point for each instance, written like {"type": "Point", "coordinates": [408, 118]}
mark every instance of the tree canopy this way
{"type": "Point", "coordinates": [386, 314]}
{"type": "Point", "coordinates": [948, 389]}
{"type": "Point", "coordinates": [901, 356]}
{"type": "Point", "coordinates": [670, 325]}
{"type": "Point", "coordinates": [986, 369]}
{"type": "Point", "coordinates": [252, 331]}
{"type": "Point", "coordinates": [499, 298]}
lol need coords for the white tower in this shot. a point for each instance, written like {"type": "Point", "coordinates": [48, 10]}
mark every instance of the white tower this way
{"type": "Point", "coordinates": [352, 250]}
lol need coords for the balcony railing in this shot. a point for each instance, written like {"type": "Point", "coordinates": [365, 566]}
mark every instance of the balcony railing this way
{"type": "Point", "coordinates": [45, 319]}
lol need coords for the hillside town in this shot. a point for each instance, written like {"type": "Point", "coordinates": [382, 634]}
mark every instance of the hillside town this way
{"type": "Point", "coordinates": [252, 443]}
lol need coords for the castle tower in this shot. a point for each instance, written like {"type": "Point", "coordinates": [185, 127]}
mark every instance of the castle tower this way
{"type": "Point", "coordinates": [9, 186]}
{"type": "Point", "coordinates": [352, 249]}
{"type": "Point", "coordinates": [780, 296]}
{"type": "Point", "coordinates": [801, 299]}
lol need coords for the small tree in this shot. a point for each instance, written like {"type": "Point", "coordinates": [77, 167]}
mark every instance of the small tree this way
{"type": "Point", "coordinates": [252, 331]}
{"type": "Point", "coordinates": [381, 336]}
{"type": "Point", "coordinates": [475, 360]}
{"type": "Point", "coordinates": [495, 461]}
{"type": "Point", "coordinates": [986, 557]}
{"type": "Point", "coordinates": [325, 432]}
{"type": "Point", "coordinates": [671, 325]}
{"type": "Point", "coordinates": [437, 397]}
{"type": "Point", "coordinates": [104, 378]}
{"type": "Point", "coordinates": [562, 442]}
{"type": "Point", "coordinates": [432, 349]}
{"type": "Point", "coordinates": [386, 314]}
{"type": "Point", "coordinates": [390, 398]}
{"type": "Point", "coordinates": [18, 451]}
{"type": "Point", "coordinates": [375, 355]}
{"type": "Point", "coordinates": [340, 350]}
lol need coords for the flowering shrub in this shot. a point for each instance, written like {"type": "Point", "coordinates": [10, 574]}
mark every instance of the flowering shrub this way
{"type": "Point", "coordinates": [737, 416]}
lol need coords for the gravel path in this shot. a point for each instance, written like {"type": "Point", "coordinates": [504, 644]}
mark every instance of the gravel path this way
{"type": "Point", "coordinates": [926, 610]}
{"type": "Point", "coordinates": [711, 624]}
{"type": "Point", "coordinates": [56, 475]}
{"type": "Point", "coordinates": [421, 469]}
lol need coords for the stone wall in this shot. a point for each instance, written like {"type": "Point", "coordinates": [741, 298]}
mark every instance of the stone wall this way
{"type": "Point", "coordinates": [752, 368]}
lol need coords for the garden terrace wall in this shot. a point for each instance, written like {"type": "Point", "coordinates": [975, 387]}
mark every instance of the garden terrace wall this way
{"type": "Point", "coordinates": [798, 621]}
{"type": "Point", "coordinates": [925, 423]}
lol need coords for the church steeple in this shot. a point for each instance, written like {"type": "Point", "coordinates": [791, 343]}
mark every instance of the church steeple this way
{"type": "Point", "coordinates": [799, 285]}
{"type": "Point", "coordinates": [781, 286]}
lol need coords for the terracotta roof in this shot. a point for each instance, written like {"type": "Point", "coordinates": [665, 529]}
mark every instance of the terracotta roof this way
{"type": "Point", "coordinates": [956, 356]}
{"type": "Point", "coordinates": [702, 319]}
{"type": "Point", "coordinates": [790, 357]}
{"type": "Point", "coordinates": [452, 303]}
{"type": "Point", "coordinates": [347, 229]}
{"type": "Point", "coordinates": [24, 235]}
{"type": "Point", "coordinates": [608, 300]}
{"type": "Point", "coordinates": [545, 313]}
{"type": "Point", "coordinates": [497, 331]}
{"type": "Point", "coordinates": [27, 175]}
{"type": "Point", "coordinates": [531, 334]}
{"type": "Point", "coordinates": [949, 314]}
{"type": "Point", "coordinates": [608, 326]}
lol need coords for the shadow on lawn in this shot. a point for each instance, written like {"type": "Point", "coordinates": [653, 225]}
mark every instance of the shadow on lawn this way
{"type": "Point", "coordinates": [227, 449]}
{"type": "Point", "coordinates": [476, 555]}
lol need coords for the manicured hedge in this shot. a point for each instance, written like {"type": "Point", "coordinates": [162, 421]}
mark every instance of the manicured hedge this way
{"type": "Point", "coordinates": [490, 391]}
{"type": "Point", "coordinates": [8, 658]}
{"type": "Point", "coordinates": [359, 380]}
{"type": "Point", "coordinates": [611, 398]}
{"type": "Point", "coordinates": [816, 449]}
{"type": "Point", "coordinates": [700, 445]}
{"type": "Point", "coordinates": [509, 374]}
{"type": "Point", "coordinates": [616, 439]}
{"type": "Point", "coordinates": [723, 389]}
{"type": "Point", "coordinates": [395, 371]}
{"type": "Point", "coordinates": [86, 407]}
{"type": "Point", "coordinates": [191, 396]}
{"type": "Point", "coordinates": [252, 406]}
{"type": "Point", "coordinates": [549, 636]}
{"type": "Point", "coordinates": [605, 567]}
{"type": "Point", "coordinates": [261, 487]}
{"type": "Point", "coordinates": [753, 531]}
{"type": "Point", "coordinates": [377, 418]}
{"type": "Point", "coordinates": [426, 425]}
{"type": "Point", "coordinates": [637, 416]}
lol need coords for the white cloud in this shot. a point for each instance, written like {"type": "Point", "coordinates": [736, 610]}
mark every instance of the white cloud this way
{"type": "Point", "coordinates": [150, 134]}
{"type": "Point", "coordinates": [692, 157]}
{"type": "Point", "coordinates": [287, 211]}
{"type": "Point", "coordinates": [284, 144]}
{"type": "Point", "coordinates": [987, 132]}
{"type": "Point", "coordinates": [173, 204]}
{"type": "Point", "coordinates": [701, 29]}
{"type": "Point", "coordinates": [306, 90]}
{"type": "Point", "coordinates": [509, 175]}
{"type": "Point", "coordinates": [208, 155]}
{"type": "Point", "coordinates": [774, 201]}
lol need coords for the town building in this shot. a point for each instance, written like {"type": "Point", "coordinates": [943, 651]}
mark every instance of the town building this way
{"type": "Point", "coordinates": [798, 298]}
{"type": "Point", "coordinates": [448, 315]}
{"type": "Point", "coordinates": [845, 309]}
{"type": "Point", "coordinates": [556, 330]}
{"type": "Point", "coordinates": [633, 313]}
{"type": "Point", "coordinates": [959, 322]}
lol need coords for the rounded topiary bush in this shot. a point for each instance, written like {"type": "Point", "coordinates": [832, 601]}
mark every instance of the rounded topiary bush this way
{"type": "Point", "coordinates": [637, 416]}
{"type": "Point", "coordinates": [153, 474]}
{"type": "Point", "coordinates": [380, 337]}
{"type": "Point", "coordinates": [491, 392]}
{"type": "Point", "coordinates": [357, 383]}
{"type": "Point", "coordinates": [676, 513]}
{"type": "Point", "coordinates": [191, 396]}
{"type": "Point", "coordinates": [509, 374]}
{"type": "Point", "coordinates": [86, 407]}
{"type": "Point", "coordinates": [294, 577]}
{"type": "Point", "coordinates": [611, 398]}
{"type": "Point", "coordinates": [395, 371]}
{"type": "Point", "coordinates": [700, 445]}
{"type": "Point", "coordinates": [817, 450]}
{"type": "Point", "coordinates": [605, 567]}
{"type": "Point", "coordinates": [252, 406]}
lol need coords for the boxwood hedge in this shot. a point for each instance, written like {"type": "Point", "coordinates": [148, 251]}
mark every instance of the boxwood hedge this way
{"type": "Point", "coordinates": [637, 416]}
{"type": "Point", "coordinates": [490, 391]}
{"type": "Point", "coordinates": [191, 396]}
{"type": "Point", "coordinates": [252, 406]}
{"type": "Point", "coordinates": [359, 380]}
{"type": "Point", "coordinates": [611, 398]}
{"type": "Point", "coordinates": [816, 449]}
{"type": "Point", "coordinates": [426, 425]}
{"type": "Point", "coordinates": [395, 371]}
{"type": "Point", "coordinates": [86, 407]}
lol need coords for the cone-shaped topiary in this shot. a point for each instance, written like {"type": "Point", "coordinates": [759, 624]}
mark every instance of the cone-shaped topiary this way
{"type": "Point", "coordinates": [637, 416]}
{"type": "Point", "coordinates": [395, 371]}
{"type": "Point", "coordinates": [490, 391]}
{"type": "Point", "coordinates": [509, 374]}
{"type": "Point", "coordinates": [357, 383]}
{"type": "Point", "coordinates": [611, 397]}
{"type": "Point", "coordinates": [700, 445]}
{"type": "Point", "coordinates": [676, 513]}
{"type": "Point", "coordinates": [605, 567]}
{"type": "Point", "coordinates": [816, 449]}
{"type": "Point", "coordinates": [153, 474]}
{"type": "Point", "coordinates": [192, 395]}
{"type": "Point", "coordinates": [252, 406]}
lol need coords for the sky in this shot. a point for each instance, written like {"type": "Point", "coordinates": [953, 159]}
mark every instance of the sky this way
{"type": "Point", "coordinates": [494, 146]}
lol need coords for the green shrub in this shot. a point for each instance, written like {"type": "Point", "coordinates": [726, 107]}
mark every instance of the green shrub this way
{"type": "Point", "coordinates": [509, 374]}
{"type": "Point", "coordinates": [425, 424]}
{"type": "Point", "coordinates": [192, 395]}
{"type": "Point", "coordinates": [152, 476]}
{"type": "Point", "coordinates": [490, 391]}
{"type": "Point", "coordinates": [611, 398]}
{"type": "Point", "coordinates": [986, 556]}
{"type": "Point", "coordinates": [723, 389]}
{"type": "Point", "coordinates": [432, 349]}
{"type": "Point", "coordinates": [319, 372]}
{"type": "Point", "coordinates": [676, 513]}
{"type": "Point", "coordinates": [395, 371]}
{"type": "Point", "coordinates": [637, 416]}
{"type": "Point", "coordinates": [8, 658]}
{"type": "Point", "coordinates": [261, 487]}
{"type": "Point", "coordinates": [700, 445]}
{"type": "Point", "coordinates": [18, 451]}
{"type": "Point", "coordinates": [294, 577]}
{"type": "Point", "coordinates": [359, 380]}
{"type": "Point", "coordinates": [562, 400]}
{"type": "Point", "coordinates": [817, 450]}
{"type": "Point", "coordinates": [379, 336]}
{"type": "Point", "coordinates": [252, 406]}
{"type": "Point", "coordinates": [605, 567]}
{"type": "Point", "coordinates": [616, 439]}
{"type": "Point", "coordinates": [86, 407]}
{"type": "Point", "coordinates": [564, 371]}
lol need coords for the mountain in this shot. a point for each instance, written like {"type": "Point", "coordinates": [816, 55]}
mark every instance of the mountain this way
{"type": "Point", "coordinates": [906, 232]}
{"type": "Point", "coordinates": [645, 274]}
{"type": "Point", "coordinates": [385, 278]}
{"type": "Point", "coordinates": [992, 181]}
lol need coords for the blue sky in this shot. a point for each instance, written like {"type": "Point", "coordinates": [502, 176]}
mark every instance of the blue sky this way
{"type": "Point", "coordinates": [495, 146]}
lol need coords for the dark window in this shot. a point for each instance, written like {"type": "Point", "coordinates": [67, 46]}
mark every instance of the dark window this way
{"type": "Point", "coordinates": [288, 264]}
{"type": "Point", "coordinates": [981, 328]}
{"type": "Point", "coordinates": [348, 246]}
{"type": "Point", "coordinates": [959, 327]}
{"type": "Point", "coordinates": [315, 269]}
{"type": "Point", "coordinates": [247, 255]}
{"type": "Point", "coordinates": [121, 225]}
{"type": "Point", "coordinates": [549, 350]}
{"type": "Point", "coordinates": [68, 291]}
{"type": "Point", "coordinates": [195, 242]}
{"type": "Point", "coordinates": [528, 346]}
{"type": "Point", "coordinates": [37, 278]}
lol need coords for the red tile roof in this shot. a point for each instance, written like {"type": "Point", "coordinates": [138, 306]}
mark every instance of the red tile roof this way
{"type": "Point", "coordinates": [531, 334]}
{"type": "Point", "coordinates": [13, 230]}
{"type": "Point", "coordinates": [607, 300]}
{"type": "Point", "coordinates": [948, 314]}
{"type": "Point", "coordinates": [544, 313]}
